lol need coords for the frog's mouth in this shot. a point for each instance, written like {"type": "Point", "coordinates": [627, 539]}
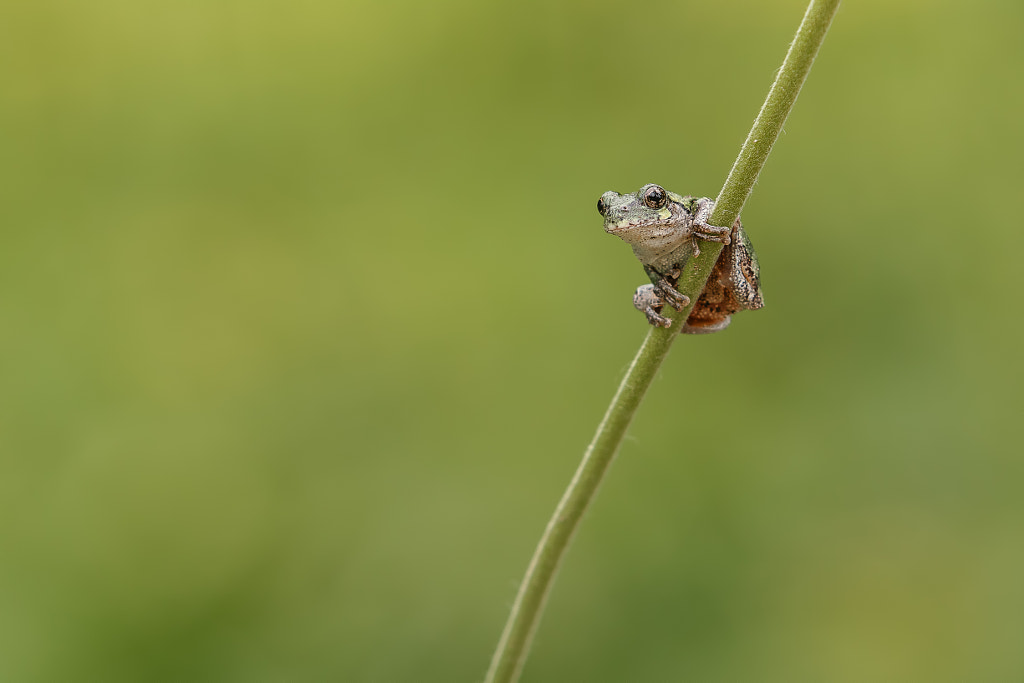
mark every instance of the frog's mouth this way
{"type": "Point", "coordinates": [625, 225]}
{"type": "Point", "coordinates": [614, 227]}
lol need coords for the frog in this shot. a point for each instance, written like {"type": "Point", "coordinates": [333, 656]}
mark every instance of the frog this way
{"type": "Point", "coordinates": [665, 230]}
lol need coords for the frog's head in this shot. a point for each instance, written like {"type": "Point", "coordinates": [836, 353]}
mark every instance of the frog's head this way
{"type": "Point", "coordinates": [639, 214]}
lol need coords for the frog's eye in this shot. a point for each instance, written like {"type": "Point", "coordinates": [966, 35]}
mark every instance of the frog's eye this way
{"type": "Point", "coordinates": [655, 197]}
{"type": "Point", "coordinates": [601, 206]}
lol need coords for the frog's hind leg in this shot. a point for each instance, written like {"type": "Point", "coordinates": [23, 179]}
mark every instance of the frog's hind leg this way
{"type": "Point", "coordinates": [707, 328]}
{"type": "Point", "coordinates": [744, 272]}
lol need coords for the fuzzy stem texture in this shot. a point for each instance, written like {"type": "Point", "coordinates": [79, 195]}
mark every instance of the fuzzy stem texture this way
{"type": "Point", "coordinates": [514, 645]}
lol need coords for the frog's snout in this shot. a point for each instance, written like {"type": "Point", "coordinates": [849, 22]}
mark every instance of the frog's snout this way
{"type": "Point", "coordinates": [604, 204]}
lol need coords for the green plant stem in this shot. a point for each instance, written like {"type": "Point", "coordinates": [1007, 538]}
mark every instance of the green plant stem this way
{"type": "Point", "coordinates": [514, 645]}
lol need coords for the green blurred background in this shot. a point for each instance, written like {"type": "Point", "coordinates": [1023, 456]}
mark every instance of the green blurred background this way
{"type": "Point", "coordinates": [306, 316]}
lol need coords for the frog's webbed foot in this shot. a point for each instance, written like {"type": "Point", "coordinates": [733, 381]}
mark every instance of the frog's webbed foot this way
{"type": "Point", "coordinates": [701, 228]}
{"type": "Point", "coordinates": [650, 304]}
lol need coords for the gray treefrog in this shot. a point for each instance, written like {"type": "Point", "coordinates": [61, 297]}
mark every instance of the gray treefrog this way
{"type": "Point", "coordinates": [664, 228]}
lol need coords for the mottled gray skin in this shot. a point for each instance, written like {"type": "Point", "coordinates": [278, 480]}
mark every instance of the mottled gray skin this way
{"type": "Point", "coordinates": [664, 229]}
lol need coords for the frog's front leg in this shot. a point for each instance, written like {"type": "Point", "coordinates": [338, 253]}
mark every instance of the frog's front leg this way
{"type": "Point", "coordinates": [647, 301]}
{"type": "Point", "coordinates": [650, 299]}
{"type": "Point", "coordinates": [665, 285]}
{"type": "Point", "coordinates": [701, 228]}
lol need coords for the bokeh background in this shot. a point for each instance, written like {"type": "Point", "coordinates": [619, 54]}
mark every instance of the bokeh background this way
{"type": "Point", "coordinates": [306, 316]}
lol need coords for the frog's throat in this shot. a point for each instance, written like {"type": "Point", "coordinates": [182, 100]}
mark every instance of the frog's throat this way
{"type": "Point", "coordinates": [663, 253]}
